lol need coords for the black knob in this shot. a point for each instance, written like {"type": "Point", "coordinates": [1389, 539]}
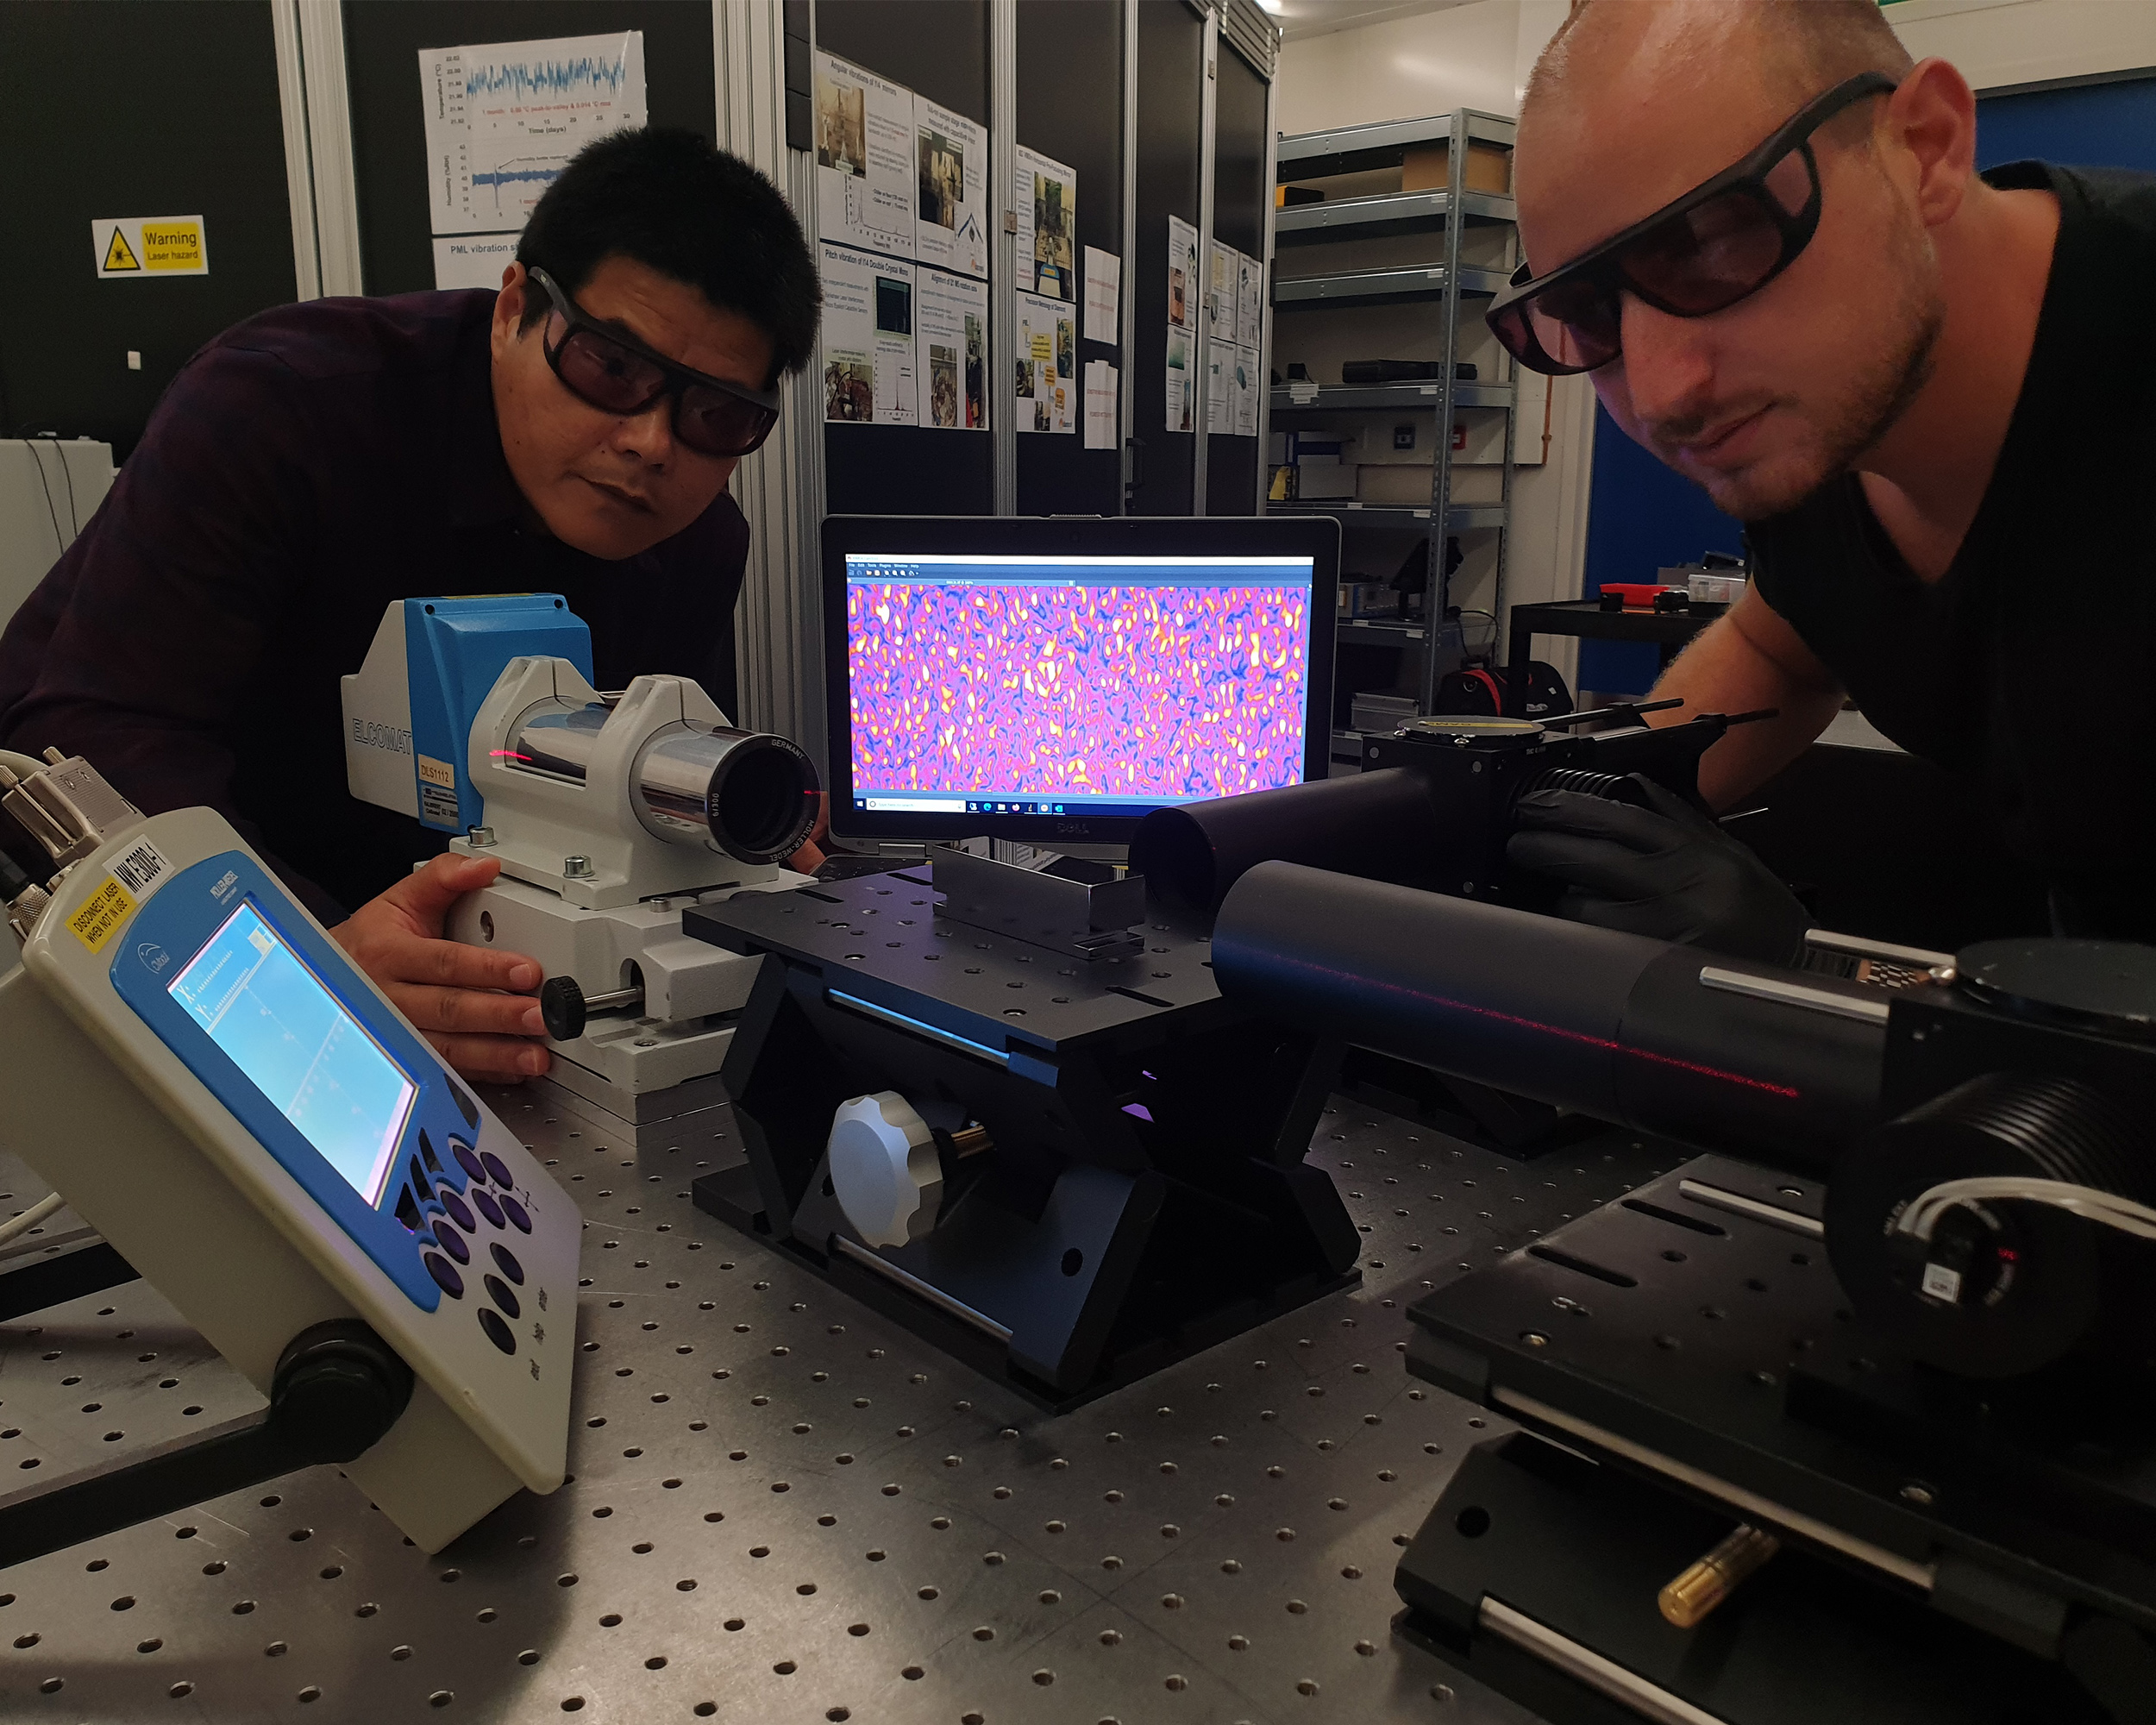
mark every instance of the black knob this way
{"type": "Point", "coordinates": [561, 1005]}
{"type": "Point", "coordinates": [338, 1389]}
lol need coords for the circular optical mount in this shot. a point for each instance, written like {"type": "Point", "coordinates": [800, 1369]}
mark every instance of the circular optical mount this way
{"type": "Point", "coordinates": [753, 794]}
{"type": "Point", "coordinates": [1489, 731]}
{"type": "Point", "coordinates": [2105, 985]}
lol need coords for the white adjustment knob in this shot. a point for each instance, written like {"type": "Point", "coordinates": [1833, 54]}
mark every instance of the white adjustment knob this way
{"type": "Point", "coordinates": [885, 1171]}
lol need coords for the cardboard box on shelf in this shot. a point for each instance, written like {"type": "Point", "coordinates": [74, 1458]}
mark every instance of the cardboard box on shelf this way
{"type": "Point", "coordinates": [1477, 484]}
{"type": "Point", "coordinates": [1399, 483]}
{"type": "Point", "coordinates": [1324, 479]}
{"type": "Point", "coordinates": [1427, 167]}
{"type": "Point", "coordinates": [1322, 463]}
{"type": "Point", "coordinates": [1369, 599]}
{"type": "Point", "coordinates": [1394, 482]}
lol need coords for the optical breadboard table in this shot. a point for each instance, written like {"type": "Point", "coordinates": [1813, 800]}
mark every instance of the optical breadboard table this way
{"type": "Point", "coordinates": [783, 1507]}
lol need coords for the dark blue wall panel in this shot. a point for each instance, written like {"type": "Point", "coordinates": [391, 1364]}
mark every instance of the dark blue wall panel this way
{"type": "Point", "coordinates": [2108, 125]}
{"type": "Point", "coordinates": [1640, 517]}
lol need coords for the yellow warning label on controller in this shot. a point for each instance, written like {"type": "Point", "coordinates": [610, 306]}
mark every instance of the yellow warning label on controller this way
{"type": "Point", "coordinates": [104, 915]}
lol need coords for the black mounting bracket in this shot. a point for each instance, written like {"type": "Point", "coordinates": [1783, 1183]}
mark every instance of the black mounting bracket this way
{"type": "Point", "coordinates": [1685, 1359]}
{"type": "Point", "coordinates": [1147, 1195]}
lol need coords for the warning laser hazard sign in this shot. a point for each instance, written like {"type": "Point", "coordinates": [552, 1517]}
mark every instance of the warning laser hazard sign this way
{"type": "Point", "coordinates": [131, 247]}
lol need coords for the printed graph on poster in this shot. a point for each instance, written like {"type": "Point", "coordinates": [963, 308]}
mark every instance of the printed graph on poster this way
{"type": "Point", "coordinates": [869, 340]}
{"type": "Point", "coordinates": [503, 119]}
{"type": "Point", "coordinates": [864, 159]}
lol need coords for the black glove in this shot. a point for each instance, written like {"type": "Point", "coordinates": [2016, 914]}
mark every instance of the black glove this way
{"type": "Point", "coordinates": [1666, 871]}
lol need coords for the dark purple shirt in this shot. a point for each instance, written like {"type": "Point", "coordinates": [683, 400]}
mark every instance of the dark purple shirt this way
{"type": "Point", "coordinates": [303, 470]}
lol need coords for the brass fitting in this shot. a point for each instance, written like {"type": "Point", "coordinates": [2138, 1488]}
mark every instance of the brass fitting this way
{"type": "Point", "coordinates": [1687, 1600]}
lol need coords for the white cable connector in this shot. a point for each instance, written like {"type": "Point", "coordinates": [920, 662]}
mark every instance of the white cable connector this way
{"type": "Point", "coordinates": [1921, 1217]}
{"type": "Point", "coordinates": [16, 1227]}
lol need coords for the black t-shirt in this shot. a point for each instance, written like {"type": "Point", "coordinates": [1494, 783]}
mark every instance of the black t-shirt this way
{"type": "Point", "coordinates": [304, 469]}
{"type": "Point", "coordinates": [2028, 671]}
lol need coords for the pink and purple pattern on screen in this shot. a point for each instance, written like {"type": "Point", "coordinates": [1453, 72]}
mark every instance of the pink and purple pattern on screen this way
{"type": "Point", "coordinates": [1141, 692]}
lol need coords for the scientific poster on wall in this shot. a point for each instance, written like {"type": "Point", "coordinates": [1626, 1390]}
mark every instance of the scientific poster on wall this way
{"type": "Point", "coordinates": [951, 163]}
{"type": "Point", "coordinates": [1242, 363]}
{"type": "Point", "coordinates": [1219, 385]}
{"type": "Point", "coordinates": [868, 344]}
{"type": "Point", "coordinates": [1184, 286]}
{"type": "Point", "coordinates": [1221, 290]}
{"type": "Point", "coordinates": [1101, 421]}
{"type": "Point", "coordinates": [1047, 380]}
{"type": "Point", "coordinates": [1250, 302]}
{"type": "Point", "coordinates": [1180, 388]}
{"type": "Point", "coordinates": [864, 159]}
{"type": "Point", "coordinates": [1103, 296]}
{"type": "Point", "coordinates": [1044, 197]}
{"type": "Point", "coordinates": [502, 121]}
{"type": "Point", "coordinates": [952, 348]}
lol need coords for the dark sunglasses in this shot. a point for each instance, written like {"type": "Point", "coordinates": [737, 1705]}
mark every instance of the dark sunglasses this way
{"type": "Point", "coordinates": [616, 373]}
{"type": "Point", "coordinates": [1721, 241]}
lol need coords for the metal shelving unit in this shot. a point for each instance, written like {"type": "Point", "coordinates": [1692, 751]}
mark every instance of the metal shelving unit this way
{"type": "Point", "coordinates": [1461, 518]}
{"type": "Point", "coordinates": [1354, 287]}
{"type": "Point", "coordinates": [1388, 396]}
{"type": "Point", "coordinates": [1389, 210]}
{"type": "Point", "coordinates": [1305, 280]}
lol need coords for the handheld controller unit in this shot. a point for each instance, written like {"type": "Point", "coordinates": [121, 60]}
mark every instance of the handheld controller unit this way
{"type": "Point", "coordinates": [247, 1119]}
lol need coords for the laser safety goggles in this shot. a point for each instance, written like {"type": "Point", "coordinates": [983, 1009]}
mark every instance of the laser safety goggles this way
{"type": "Point", "coordinates": [1722, 241]}
{"type": "Point", "coordinates": [616, 373]}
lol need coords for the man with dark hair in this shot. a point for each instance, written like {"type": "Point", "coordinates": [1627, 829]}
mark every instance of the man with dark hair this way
{"type": "Point", "coordinates": [1758, 226]}
{"type": "Point", "coordinates": [573, 432]}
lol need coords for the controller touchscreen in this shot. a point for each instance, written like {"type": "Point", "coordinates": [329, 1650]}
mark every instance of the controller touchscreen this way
{"type": "Point", "coordinates": [293, 1040]}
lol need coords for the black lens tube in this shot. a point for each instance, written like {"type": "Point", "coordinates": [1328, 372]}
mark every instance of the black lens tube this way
{"type": "Point", "coordinates": [1612, 1024]}
{"type": "Point", "coordinates": [1378, 824]}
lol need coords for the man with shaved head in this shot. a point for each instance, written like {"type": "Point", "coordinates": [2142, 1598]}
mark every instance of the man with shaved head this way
{"type": "Point", "coordinates": [1930, 394]}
